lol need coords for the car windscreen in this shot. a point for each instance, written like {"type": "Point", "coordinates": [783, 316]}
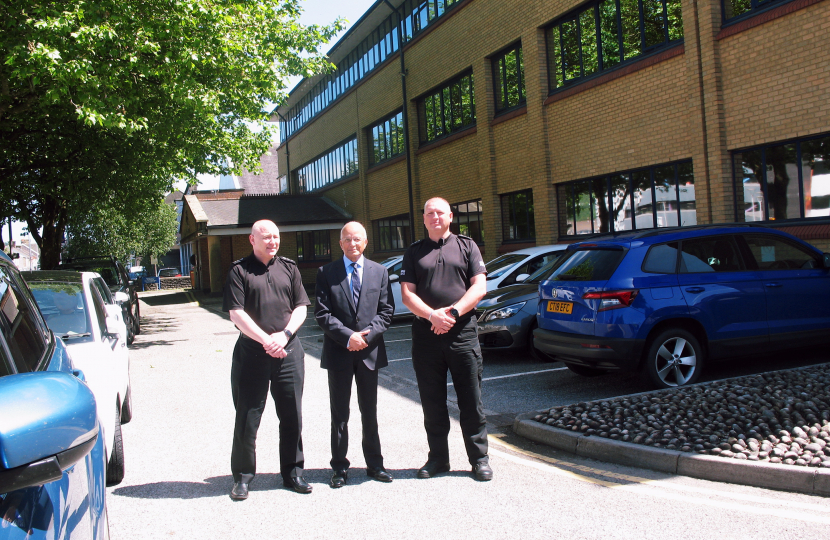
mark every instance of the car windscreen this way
{"type": "Point", "coordinates": [543, 273]}
{"type": "Point", "coordinates": [64, 307]}
{"type": "Point", "coordinates": [500, 265]}
{"type": "Point", "coordinates": [588, 265]}
{"type": "Point", "coordinates": [105, 269]}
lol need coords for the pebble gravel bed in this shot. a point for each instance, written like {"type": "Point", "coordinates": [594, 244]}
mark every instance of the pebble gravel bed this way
{"type": "Point", "coordinates": [777, 417]}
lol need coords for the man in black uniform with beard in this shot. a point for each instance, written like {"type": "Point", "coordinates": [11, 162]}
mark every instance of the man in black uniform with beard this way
{"type": "Point", "coordinates": [265, 298]}
{"type": "Point", "coordinates": [442, 280]}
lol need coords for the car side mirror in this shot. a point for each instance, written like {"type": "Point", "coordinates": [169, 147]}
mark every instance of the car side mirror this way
{"type": "Point", "coordinates": [827, 260]}
{"type": "Point", "coordinates": [114, 319]}
{"type": "Point", "coordinates": [49, 423]}
{"type": "Point", "coordinates": [394, 277]}
{"type": "Point", "coordinates": [522, 277]}
{"type": "Point", "coordinates": [120, 297]}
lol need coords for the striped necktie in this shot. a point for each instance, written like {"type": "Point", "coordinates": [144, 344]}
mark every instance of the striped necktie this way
{"type": "Point", "coordinates": [355, 283]}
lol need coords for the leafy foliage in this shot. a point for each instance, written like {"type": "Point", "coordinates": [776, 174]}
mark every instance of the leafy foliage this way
{"type": "Point", "coordinates": [113, 100]}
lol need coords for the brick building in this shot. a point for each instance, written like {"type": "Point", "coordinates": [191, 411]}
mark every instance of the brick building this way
{"type": "Point", "coordinates": [544, 121]}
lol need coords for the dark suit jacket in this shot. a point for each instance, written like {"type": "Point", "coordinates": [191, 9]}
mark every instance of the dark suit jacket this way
{"type": "Point", "coordinates": [339, 318]}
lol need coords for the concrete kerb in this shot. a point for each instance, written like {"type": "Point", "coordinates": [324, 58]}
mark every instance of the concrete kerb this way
{"type": "Point", "coordinates": [705, 467]}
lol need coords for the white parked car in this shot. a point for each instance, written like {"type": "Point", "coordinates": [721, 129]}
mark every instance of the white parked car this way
{"type": "Point", "coordinates": [393, 266]}
{"type": "Point", "coordinates": [517, 266]}
{"type": "Point", "coordinates": [80, 309]}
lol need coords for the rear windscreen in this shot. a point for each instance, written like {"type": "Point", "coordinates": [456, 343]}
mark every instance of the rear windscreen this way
{"type": "Point", "coordinates": [588, 265]}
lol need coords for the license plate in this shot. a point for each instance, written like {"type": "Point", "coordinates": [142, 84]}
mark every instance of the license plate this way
{"type": "Point", "coordinates": [561, 307]}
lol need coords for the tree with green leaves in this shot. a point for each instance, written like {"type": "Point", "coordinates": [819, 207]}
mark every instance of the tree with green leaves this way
{"type": "Point", "coordinates": [111, 101]}
{"type": "Point", "coordinates": [107, 231]}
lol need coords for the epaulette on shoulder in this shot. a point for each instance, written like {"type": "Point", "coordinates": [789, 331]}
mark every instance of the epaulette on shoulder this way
{"type": "Point", "coordinates": [238, 261]}
{"type": "Point", "coordinates": [286, 259]}
{"type": "Point", "coordinates": [416, 242]}
{"type": "Point", "coordinates": [465, 237]}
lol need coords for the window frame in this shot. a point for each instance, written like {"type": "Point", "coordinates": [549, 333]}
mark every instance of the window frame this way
{"type": "Point", "coordinates": [455, 226]}
{"type": "Point", "coordinates": [319, 170]}
{"type": "Point", "coordinates": [315, 235]}
{"type": "Point", "coordinates": [404, 226]}
{"type": "Point", "coordinates": [400, 138]}
{"type": "Point", "coordinates": [500, 79]}
{"type": "Point", "coordinates": [440, 93]}
{"type": "Point", "coordinates": [530, 211]}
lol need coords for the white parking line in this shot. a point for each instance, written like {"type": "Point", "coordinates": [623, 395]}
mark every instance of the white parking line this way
{"type": "Point", "coordinates": [400, 359]}
{"type": "Point", "coordinates": [518, 374]}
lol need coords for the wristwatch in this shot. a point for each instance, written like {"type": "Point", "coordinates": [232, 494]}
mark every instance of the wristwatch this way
{"type": "Point", "coordinates": [288, 333]}
{"type": "Point", "coordinates": [454, 313]}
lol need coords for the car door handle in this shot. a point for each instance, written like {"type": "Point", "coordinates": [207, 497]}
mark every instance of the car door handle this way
{"type": "Point", "coordinates": [772, 285]}
{"type": "Point", "coordinates": [695, 290]}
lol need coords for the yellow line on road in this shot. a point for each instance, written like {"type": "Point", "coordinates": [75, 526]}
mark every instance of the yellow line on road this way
{"type": "Point", "coordinates": [191, 298]}
{"type": "Point", "coordinates": [659, 488]}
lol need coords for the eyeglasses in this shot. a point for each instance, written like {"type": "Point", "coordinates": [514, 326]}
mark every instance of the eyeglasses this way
{"type": "Point", "coordinates": [351, 239]}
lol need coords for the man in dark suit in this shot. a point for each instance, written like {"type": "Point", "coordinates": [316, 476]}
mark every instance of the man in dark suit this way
{"type": "Point", "coordinates": [354, 309]}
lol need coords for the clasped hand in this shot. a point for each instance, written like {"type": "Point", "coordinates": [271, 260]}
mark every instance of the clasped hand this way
{"type": "Point", "coordinates": [357, 341]}
{"type": "Point", "coordinates": [275, 344]}
{"type": "Point", "coordinates": [442, 321]}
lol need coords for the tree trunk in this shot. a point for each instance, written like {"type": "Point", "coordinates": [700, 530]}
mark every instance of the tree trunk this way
{"type": "Point", "coordinates": [54, 227]}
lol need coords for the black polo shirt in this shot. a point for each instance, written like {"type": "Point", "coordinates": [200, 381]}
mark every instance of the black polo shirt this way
{"type": "Point", "coordinates": [442, 271]}
{"type": "Point", "coordinates": [267, 293]}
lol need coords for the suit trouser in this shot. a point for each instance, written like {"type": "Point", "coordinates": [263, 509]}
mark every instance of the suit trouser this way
{"type": "Point", "coordinates": [340, 394]}
{"type": "Point", "coordinates": [252, 372]}
{"type": "Point", "coordinates": [432, 356]}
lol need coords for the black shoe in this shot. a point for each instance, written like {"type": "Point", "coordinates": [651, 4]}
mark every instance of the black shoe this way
{"type": "Point", "coordinates": [380, 474]}
{"type": "Point", "coordinates": [239, 491]}
{"type": "Point", "coordinates": [483, 471]}
{"type": "Point", "coordinates": [339, 479]}
{"type": "Point", "coordinates": [431, 468]}
{"type": "Point", "coordinates": [298, 484]}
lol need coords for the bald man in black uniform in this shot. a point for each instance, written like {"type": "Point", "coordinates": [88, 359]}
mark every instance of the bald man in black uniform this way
{"type": "Point", "coordinates": [265, 298]}
{"type": "Point", "coordinates": [442, 280]}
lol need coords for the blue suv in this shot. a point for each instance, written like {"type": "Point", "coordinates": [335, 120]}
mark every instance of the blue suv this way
{"type": "Point", "coordinates": [667, 301]}
{"type": "Point", "coordinates": [52, 462]}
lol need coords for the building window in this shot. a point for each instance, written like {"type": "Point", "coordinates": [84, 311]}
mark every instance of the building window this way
{"type": "Point", "coordinates": [341, 162]}
{"type": "Point", "coordinates": [733, 9]}
{"type": "Point", "coordinates": [392, 233]}
{"type": "Point", "coordinates": [387, 138]}
{"type": "Point", "coordinates": [508, 78]}
{"type": "Point", "coordinates": [659, 196]}
{"type": "Point", "coordinates": [364, 59]}
{"type": "Point", "coordinates": [783, 181]}
{"type": "Point", "coordinates": [467, 220]}
{"type": "Point", "coordinates": [448, 109]}
{"type": "Point", "coordinates": [313, 246]}
{"type": "Point", "coordinates": [517, 216]}
{"type": "Point", "coordinates": [604, 34]}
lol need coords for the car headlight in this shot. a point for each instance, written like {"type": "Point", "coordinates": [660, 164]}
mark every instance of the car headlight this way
{"type": "Point", "coordinates": [504, 312]}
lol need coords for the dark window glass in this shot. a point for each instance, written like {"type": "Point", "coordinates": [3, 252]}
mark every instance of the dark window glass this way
{"type": "Point", "coordinates": [100, 313]}
{"type": "Point", "coordinates": [392, 233]}
{"type": "Point", "coordinates": [21, 324]}
{"type": "Point", "coordinates": [467, 220]}
{"type": "Point", "coordinates": [601, 34]}
{"type": "Point", "coordinates": [328, 168]}
{"type": "Point", "coordinates": [732, 9]}
{"type": "Point", "coordinates": [772, 253]}
{"type": "Point", "coordinates": [661, 259]}
{"type": "Point", "coordinates": [782, 181]}
{"type": "Point", "coordinates": [661, 196]}
{"type": "Point", "coordinates": [502, 264]}
{"type": "Point", "coordinates": [588, 265]}
{"type": "Point", "coordinates": [387, 138]}
{"type": "Point", "coordinates": [710, 254]}
{"type": "Point", "coordinates": [508, 78]}
{"type": "Point", "coordinates": [313, 246]}
{"type": "Point", "coordinates": [517, 216]}
{"type": "Point", "coordinates": [449, 109]}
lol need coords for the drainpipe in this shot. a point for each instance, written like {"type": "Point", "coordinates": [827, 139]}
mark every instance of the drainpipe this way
{"type": "Point", "coordinates": [287, 153]}
{"type": "Point", "coordinates": [405, 124]}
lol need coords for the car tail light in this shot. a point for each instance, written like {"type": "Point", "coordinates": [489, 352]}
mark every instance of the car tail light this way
{"type": "Point", "coordinates": [612, 299]}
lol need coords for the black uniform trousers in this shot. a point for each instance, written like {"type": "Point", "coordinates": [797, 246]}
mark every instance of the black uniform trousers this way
{"type": "Point", "coordinates": [459, 352]}
{"type": "Point", "coordinates": [252, 372]}
{"type": "Point", "coordinates": [340, 392]}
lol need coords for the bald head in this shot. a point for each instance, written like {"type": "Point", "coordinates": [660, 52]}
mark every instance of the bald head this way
{"type": "Point", "coordinates": [353, 240]}
{"type": "Point", "coordinates": [437, 218]}
{"type": "Point", "coordinates": [265, 238]}
{"type": "Point", "coordinates": [439, 202]}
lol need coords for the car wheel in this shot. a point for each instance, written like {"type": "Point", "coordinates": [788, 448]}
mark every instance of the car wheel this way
{"type": "Point", "coordinates": [127, 408]}
{"type": "Point", "coordinates": [137, 319]}
{"type": "Point", "coordinates": [115, 466]}
{"type": "Point", "coordinates": [536, 354]}
{"type": "Point", "coordinates": [675, 358]}
{"type": "Point", "coordinates": [585, 371]}
{"type": "Point", "coordinates": [130, 334]}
